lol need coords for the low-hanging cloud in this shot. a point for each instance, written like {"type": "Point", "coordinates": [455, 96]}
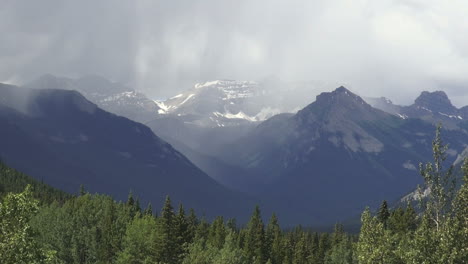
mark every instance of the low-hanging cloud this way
{"type": "Point", "coordinates": [394, 48]}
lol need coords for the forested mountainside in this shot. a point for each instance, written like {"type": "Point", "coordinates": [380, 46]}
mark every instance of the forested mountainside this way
{"type": "Point", "coordinates": [13, 181]}
{"type": "Point", "coordinates": [96, 229]}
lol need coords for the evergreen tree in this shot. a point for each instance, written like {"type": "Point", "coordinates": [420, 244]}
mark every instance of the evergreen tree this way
{"type": "Point", "coordinates": [338, 234]}
{"type": "Point", "coordinates": [383, 213]}
{"type": "Point", "coordinates": [181, 232]}
{"type": "Point", "coordinates": [230, 253]}
{"type": "Point", "coordinates": [301, 250]}
{"type": "Point", "coordinates": [192, 224]}
{"type": "Point", "coordinates": [323, 247]}
{"type": "Point", "coordinates": [231, 224]}
{"type": "Point", "coordinates": [410, 218]}
{"type": "Point", "coordinates": [131, 204]}
{"type": "Point", "coordinates": [273, 239]}
{"type": "Point", "coordinates": [254, 245]}
{"type": "Point", "coordinates": [148, 210]}
{"type": "Point", "coordinates": [314, 247]}
{"type": "Point", "coordinates": [137, 207]}
{"type": "Point", "coordinates": [168, 249]}
{"type": "Point", "coordinates": [217, 233]}
{"type": "Point", "coordinates": [341, 253]}
{"type": "Point", "coordinates": [82, 190]}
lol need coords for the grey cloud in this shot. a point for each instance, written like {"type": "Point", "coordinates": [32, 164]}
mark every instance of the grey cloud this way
{"type": "Point", "coordinates": [378, 48]}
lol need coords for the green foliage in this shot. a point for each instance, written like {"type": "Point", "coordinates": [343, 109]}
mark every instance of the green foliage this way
{"type": "Point", "coordinates": [341, 253]}
{"type": "Point", "coordinates": [17, 238]}
{"type": "Point", "coordinates": [439, 185]}
{"type": "Point", "coordinates": [374, 241]}
{"type": "Point", "coordinates": [140, 241]}
{"type": "Point", "coordinates": [383, 213]}
{"type": "Point", "coordinates": [254, 245]}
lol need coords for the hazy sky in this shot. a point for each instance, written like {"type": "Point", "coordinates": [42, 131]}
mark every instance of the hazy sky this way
{"type": "Point", "coordinates": [391, 48]}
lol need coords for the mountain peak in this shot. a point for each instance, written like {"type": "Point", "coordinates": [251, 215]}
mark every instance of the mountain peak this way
{"type": "Point", "coordinates": [342, 89]}
{"type": "Point", "coordinates": [437, 101]}
{"type": "Point", "coordinates": [340, 105]}
{"type": "Point", "coordinates": [340, 95]}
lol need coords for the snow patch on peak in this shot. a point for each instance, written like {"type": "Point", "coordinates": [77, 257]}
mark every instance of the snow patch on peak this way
{"type": "Point", "coordinates": [163, 107]}
{"type": "Point", "coordinates": [177, 96]}
{"type": "Point", "coordinates": [240, 115]}
{"type": "Point", "coordinates": [402, 116]}
{"type": "Point", "coordinates": [186, 99]}
{"type": "Point", "coordinates": [451, 116]}
{"type": "Point", "coordinates": [206, 84]}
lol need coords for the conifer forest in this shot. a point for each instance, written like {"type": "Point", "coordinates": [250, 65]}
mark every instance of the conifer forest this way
{"type": "Point", "coordinates": [40, 224]}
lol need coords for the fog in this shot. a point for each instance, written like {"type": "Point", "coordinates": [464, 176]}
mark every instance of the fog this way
{"type": "Point", "coordinates": [376, 48]}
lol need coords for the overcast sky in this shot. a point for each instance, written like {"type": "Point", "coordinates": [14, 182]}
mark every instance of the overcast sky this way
{"type": "Point", "coordinates": [391, 48]}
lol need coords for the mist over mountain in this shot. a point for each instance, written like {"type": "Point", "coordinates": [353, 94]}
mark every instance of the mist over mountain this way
{"type": "Point", "coordinates": [270, 140]}
{"type": "Point", "coordinates": [61, 138]}
{"type": "Point", "coordinates": [110, 96]}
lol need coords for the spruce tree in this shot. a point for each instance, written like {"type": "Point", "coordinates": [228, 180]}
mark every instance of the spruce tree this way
{"type": "Point", "coordinates": [168, 250]}
{"type": "Point", "coordinates": [254, 245]}
{"type": "Point", "coordinates": [231, 224]}
{"type": "Point", "coordinates": [148, 210]}
{"type": "Point", "coordinates": [273, 239]}
{"type": "Point", "coordinates": [301, 251]}
{"type": "Point", "coordinates": [181, 232]}
{"type": "Point", "coordinates": [217, 233]}
{"type": "Point", "coordinates": [338, 234]}
{"type": "Point", "coordinates": [383, 214]}
{"type": "Point", "coordinates": [82, 190]}
{"type": "Point", "coordinates": [192, 224]}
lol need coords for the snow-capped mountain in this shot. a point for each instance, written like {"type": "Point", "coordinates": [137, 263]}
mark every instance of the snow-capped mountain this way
{"type": "Point", "coordinates": [110, 96]}
{"type": "Point", "coordinates": [221, 103]}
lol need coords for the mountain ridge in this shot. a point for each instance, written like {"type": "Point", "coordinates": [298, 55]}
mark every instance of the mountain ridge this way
{"type": "Point", "coordinates": [67, 145]}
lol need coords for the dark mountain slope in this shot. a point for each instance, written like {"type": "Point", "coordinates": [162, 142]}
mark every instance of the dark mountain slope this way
{"type": "Point", "coordinates": [61, 138]}
{"type": "Point", "coordinates": [339, 152]}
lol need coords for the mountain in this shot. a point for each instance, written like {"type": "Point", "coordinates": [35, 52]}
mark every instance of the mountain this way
{"type": "Point", "coordinates": [215, 113]}
{"type": "Point", "coordinates": [61, 138]}
{"type": "Point", "coordinates": [385, 105]}
{"type": "Point", "coordinates": [464, 112]}
{"type": "Point", "coordinates": [337, 151]}
{"type": "Point", "coordinates": [432, 107]}
{"type": "Point", "coordinates": [112, 97]}
{"type": "Point", "coordinates": [221, 103]}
